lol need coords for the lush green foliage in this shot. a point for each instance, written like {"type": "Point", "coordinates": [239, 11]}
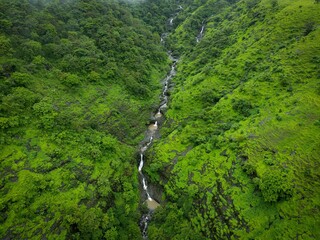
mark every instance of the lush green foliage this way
{"type": "Point", "coordinates": [239, 153]}
{"type": "Point", "coordinates": [78, 82]}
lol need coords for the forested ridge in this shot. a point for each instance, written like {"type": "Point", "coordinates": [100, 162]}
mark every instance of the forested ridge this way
{"type": "Point", "coordinates": [238, 153]}
{"type": "Point", "coordinates": [78, 82]}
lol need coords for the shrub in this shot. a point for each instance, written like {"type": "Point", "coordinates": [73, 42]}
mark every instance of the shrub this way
{"type": "Point", "coordinates": [275, 185]}
{"type": "Point", "coordinates": [242, 106]}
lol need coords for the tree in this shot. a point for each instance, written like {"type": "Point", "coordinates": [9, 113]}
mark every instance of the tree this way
{"type": "Point", "coordinates": [71, 80]}
{"type": "Point", "coordinates": [242, 106]}
{"type": "Point", "coordinates": [20, 99]}
{"type": "Point", "coordinates": [30, 49]}
{"type": "Point", "coordinates": [5, 46]}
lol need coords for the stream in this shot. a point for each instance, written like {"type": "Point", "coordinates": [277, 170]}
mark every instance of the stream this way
{"type": "Point", "coordinates": [200, 35]}
{"type": "Point", "coordinates": [152, 133]}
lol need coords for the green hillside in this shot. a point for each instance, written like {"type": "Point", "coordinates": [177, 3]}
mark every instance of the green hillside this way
{"type": "Point", "coordinates": [240, 150]}
{"type": "Point", "coordinates": [78, 81]}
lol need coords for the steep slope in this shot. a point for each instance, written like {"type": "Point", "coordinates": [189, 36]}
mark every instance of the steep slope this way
{"type": "Point", "coordinates": [78, 82]}
{"type": "Point", "coordinates": [239, 156]}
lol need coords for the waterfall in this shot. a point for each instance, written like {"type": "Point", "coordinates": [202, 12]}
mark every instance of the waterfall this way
{"type": "Point", "coordinates": [201, 32]}
{"type": "Point", "coordinates": [141, 162]}
{"type": "Point", "coordinates": [200, 35]}
{"type": "Point", "coordinates": [151, 134]}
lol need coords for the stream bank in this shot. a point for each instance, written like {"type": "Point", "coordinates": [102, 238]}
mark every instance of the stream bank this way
{"type": "Point", "coordinates": [151, 196]}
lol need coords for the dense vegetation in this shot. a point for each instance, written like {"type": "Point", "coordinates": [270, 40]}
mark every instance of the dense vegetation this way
{"type": "Point", "coordinates": [239, 154]}
{"type": "Point", "coordinates": [239, 151]}
{"type": "Point", "coordinates": [78, 81]}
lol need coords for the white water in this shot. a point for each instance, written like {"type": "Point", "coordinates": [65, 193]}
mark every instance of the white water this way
{"type": "Point", "coordinates": [152, 130]}
{"type": "Point", "coordinates": [200, 35]}
{"type": "Point", "coordinates": [143, 149]}
{"type": "Point", "coordinates": [141, 162]}
{"type": "Point", "coordinates": [158, 114]}
{"type": "Point", "coordinates": [145, 187]}
{"type": "Point", "coordinates": [201, 32]}
{"type": "Point", "coordinates": [163, 106]}
{"type": "Point", "coordinates": [151, 133]}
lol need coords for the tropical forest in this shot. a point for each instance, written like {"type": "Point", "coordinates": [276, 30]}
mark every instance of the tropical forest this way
{"type": "Point", "coordinates": [159, 119]}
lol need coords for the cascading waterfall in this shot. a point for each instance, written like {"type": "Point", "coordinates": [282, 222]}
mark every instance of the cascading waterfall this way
{"type": "Point", "coordinates": [171, 21]}
{"type": "Point", "coordinates": [200, 35]}
{"type": "Point", "coordinates": [141, 162]}
{"type": "Point", "coordinates": [151, 134]}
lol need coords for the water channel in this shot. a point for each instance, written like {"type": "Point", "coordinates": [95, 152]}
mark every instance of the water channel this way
{"type": "Point", "coordinates": [200, 35]}
{"type": "Point", "coordinates": [151, 134]}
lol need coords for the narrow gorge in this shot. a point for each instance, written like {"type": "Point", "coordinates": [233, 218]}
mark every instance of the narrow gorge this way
{"type": "Point", "coordinates": [152, 133]}
{"type": "Point", "coordinates": [159, 119]}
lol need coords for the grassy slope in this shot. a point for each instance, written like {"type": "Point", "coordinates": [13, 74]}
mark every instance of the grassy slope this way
{"type": "Point", "coordinates": [68, 134]}
{"type": "Point", "coordinates": [240, 156]}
